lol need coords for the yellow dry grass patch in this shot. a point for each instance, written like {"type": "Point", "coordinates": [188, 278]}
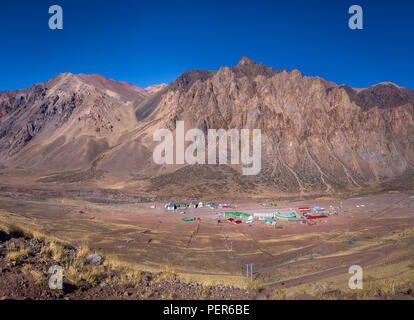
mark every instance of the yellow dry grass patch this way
{"type": "Point", "coordinates": [17, 254]}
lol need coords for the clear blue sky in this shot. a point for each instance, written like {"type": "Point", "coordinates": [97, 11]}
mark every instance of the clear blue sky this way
{"type": "Point", "coordinates": [149, 42]}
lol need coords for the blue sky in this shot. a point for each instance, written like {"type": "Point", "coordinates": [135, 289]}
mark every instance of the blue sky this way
{"type": "Point", "coordinates": [149, 42]}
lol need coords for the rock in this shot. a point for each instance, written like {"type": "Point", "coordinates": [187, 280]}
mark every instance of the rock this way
{"type": "Point", "coordinates": [95, 259]}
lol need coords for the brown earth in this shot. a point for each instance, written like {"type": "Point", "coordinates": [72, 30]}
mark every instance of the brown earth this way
{"type": "Point", "coordinates": [27, 278]}
{"type": "Point", "coordinates": [154, 239]}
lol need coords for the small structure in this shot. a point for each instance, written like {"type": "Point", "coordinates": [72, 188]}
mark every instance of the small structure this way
{"type": "Point", "coordinates": [224, 206]}
{"type": "Point", "coordinates": [171, 207]}
{"type": "Point", "coordinates": [200, 205]}
{"type": "Point", "coordinates": [210, 205]}
{"type": "Point", "coordinates": [245, 216]}
{"type": "Point", "coordinates": [238, 215]}
{"type": "Point", "coordinates": [270, 221]}
{"type": "Point", "coordinates": [231, 215]}
{"type": "Point", "coordinates": [263, 215]}
{"type": "Point", "coordinates": [182, 206]}
{"type": "Point", "coordinates": [285, 216]}
{"type": "Point", "coordinates": [187, 219]}
{"type": "Point", "coordinates": [316, 217]}
{"type": "Point", "coordinates": [304, 210]}
{"type": "Point", "coordinates": [295, 219]}
{"type": "Point", "coordinates": [193, 205]}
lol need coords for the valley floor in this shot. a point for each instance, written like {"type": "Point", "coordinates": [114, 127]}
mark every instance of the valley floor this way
{"type": "Point", "coordinates": [290, 259]}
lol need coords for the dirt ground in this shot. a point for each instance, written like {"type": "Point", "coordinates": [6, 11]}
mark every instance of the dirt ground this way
{"type": "Point", "coordinates": [27, 278]}
{"type": "Point", "coordinates": [375, 232]}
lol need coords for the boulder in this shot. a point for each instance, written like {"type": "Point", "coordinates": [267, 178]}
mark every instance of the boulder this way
{"type": "Point", "coordinates": [95, 259]}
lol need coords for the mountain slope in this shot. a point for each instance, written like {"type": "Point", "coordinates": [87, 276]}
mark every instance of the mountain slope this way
{"type": "Point", "coordinates": [316, 136]}
{"type": "Point", "coordinates": [66, 122]}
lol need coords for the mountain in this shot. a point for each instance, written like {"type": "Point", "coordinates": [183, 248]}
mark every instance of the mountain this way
{"type": "Point", "coordinates": [317, 136]}
{"type": "Point", "coordinates": [155, 88]}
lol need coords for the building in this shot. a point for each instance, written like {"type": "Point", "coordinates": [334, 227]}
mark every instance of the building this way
{"type": "Point", "coordinates": [238, 215]}
{"type": "Point", "coordinates": [263, 215]}
{"type": "Point", "coordinates": [193, 205]}
{"type": "Point", "coordinates": [200, 205]}
{"type": "Point", "coordinates": [171, 207]}
{"type": "Point", "coordinates": [210, 205]}
{"type": "Point", "coordinates": [182, 206]}
{"type": "Point", "coordinates": [286, 216]}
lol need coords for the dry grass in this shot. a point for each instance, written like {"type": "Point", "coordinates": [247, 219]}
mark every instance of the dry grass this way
{"type": "Point", "coordinates": [168, 274]}
{"type": "Point", "coordinates": [83, 252]}
{"type": "Point", "coordinates": [37, 277]}
{"type": "Point", "coordinates": [27, 230]}
{"type": "Point", "coordinates": [279, 294]}
{"type": "Point", "coordinates": [75, 268]}
{"type": "Point", "coordinates": [257, 285]}
{"type": "Point", "coordinates": [27, 267]}
{"type": "Point", "coordinates": [169, 296]}
{"type": "Point", "coordinates": [17, 254]}
{"type": "Point", "coordinates": [204, 292]}
{"type": "Point", "coordinates": [126, 280]}
{"type": "Point", "coordinates": [376, 288]}
{"type": "Point", "coordinates": [53, 250]}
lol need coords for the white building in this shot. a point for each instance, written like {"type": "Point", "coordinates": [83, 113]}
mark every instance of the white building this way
{"type": "Point", "coordinates": [263, 215]}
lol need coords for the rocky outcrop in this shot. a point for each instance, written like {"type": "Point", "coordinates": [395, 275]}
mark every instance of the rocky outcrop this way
{"type": "Point", "coordinates": [317, 136]}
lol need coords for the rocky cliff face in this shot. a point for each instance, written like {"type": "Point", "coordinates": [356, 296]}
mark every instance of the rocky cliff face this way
{"type": "Point", "coordinates": [316, 135]}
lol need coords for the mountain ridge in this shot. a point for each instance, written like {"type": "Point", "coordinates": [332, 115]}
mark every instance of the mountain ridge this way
{"type": "Point", "coordinates": [318, 136]}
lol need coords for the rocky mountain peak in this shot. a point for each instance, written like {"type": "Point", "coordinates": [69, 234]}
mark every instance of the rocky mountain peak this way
{"type": "Point", "coordinates": [188, 78]}
{"type": "Point", "coordinates": [246, 61]}
{"type": "Point", "coordinates": [251, 69]}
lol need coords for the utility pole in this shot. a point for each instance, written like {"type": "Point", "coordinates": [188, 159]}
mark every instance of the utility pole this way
{"type": "Point", "coordinates": [249, 271]}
